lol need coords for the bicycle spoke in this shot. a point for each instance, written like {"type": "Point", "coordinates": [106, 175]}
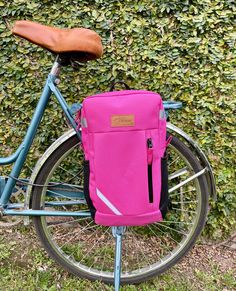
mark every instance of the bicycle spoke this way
{"type": "Point", "coordinates": [77, 233]}
{"type": "Point", "coordinates": [149, 226]}
{"type": "Point", "coordinates": [60, 195]}
{"type": "Point", "coordinates": [125, 264]}
{"type": "Point", "coordinates": [110, 241]}
{"type": "Point", "coordinates": [176, 222]}
{"type": "Point", "coordinates": [90, 250]}
{"type": "Point", "coordinates": [173, 162]}
{"type": "Point", "coordinates": [51, 224]}
{"type": "Point", "coordinates": [164, 233]}
{"type": "Point", "coordinates": [184, 192]}
{"type": "Point", "coordinates": [184, 202]}
{"type": "Point", "coordinates": [137, 256]}
{"type": "Point", "coordinates": [73, 177]}
{"type": "Point", "coordinates": [71, 233]}
{"type": "Point", "coordinates": [138, 250]}
{"type": "Point", "coordinates": [182, 210]}
{"type": "Point", "coordinates": [105, 257]}
{"type": "Point", "coordinates": [171, 228]}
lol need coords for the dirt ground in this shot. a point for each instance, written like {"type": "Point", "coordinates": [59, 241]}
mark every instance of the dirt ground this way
{"type": "Point", "coordinates": [199, 264]}
{"type": "Point", "coordinates": [200, 257]}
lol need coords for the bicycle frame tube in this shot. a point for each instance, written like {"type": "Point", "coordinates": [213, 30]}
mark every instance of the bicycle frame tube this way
{"type": "Point", "coordinates": [19, 157]}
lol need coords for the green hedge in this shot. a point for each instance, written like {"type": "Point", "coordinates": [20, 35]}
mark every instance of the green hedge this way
{"type": "Point", "coordinates": [184, 50]}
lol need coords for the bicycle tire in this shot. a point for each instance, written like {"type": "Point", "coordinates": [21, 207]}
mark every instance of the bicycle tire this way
{"type": "Point", "coordinates": [51, 242]}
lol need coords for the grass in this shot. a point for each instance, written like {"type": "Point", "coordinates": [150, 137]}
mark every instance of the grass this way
{"type": "Point", "coordinates": [25, 266]}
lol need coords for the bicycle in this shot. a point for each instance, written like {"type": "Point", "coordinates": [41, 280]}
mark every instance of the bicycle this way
{"type": "Point", "coordinates": [54, 192]}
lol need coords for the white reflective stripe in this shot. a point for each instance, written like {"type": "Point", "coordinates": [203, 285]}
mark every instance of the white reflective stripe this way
{"type": "Point", "coordinates": [108, 203]}
{"type": "Point", "coordinates": [84, 122]}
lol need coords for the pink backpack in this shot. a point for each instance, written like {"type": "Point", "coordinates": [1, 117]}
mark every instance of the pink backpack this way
{"type": "Point", "coordinates": [124, 141]}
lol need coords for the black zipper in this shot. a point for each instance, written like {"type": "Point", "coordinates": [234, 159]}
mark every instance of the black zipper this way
{"type": "Point", "coordinates": [150, 184]}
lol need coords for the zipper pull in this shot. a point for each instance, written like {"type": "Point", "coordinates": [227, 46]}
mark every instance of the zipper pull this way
{"type": "Point", "coordinates": [149, 151]}
{"type": "Point", "coordinates": [149, 143]}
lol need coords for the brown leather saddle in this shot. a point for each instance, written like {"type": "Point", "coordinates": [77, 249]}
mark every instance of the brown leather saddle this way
{"type": "Point", "coordinates": [80, 44]}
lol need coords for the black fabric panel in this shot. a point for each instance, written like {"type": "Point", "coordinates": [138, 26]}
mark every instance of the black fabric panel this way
{"type": "Point", "coordinates": [86, 188]}
{"type": "Point", "coordinates": [150, 185]}
{"type": "Point", "coordinates": [164, 203]}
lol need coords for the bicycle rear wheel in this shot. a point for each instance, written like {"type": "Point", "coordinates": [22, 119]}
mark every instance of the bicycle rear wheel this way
{"type": "Point", "coordinates": [87, 250]}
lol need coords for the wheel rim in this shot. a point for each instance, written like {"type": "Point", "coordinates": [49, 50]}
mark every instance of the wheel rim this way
{"type": "Point", "coordinates": [89, 248]}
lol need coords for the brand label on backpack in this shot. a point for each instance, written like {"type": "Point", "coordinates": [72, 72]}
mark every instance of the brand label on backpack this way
{"type": "Point", "coordinates": [122, 120]}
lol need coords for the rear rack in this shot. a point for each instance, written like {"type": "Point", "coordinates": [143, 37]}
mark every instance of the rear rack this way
{"type": "Point", "coordinates": [172, 104]}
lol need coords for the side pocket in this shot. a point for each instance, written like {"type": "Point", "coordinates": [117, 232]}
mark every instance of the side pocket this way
{"type": "Point", "coordinates": [86, 188]}
{"type": "Point", "coordinates": [149, 160]}
{"type": "Point", "coordinates": [164, 203]}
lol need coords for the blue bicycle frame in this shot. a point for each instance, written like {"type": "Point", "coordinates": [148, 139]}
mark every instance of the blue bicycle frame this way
{"type": "Point", "coordinates": [19, 157]}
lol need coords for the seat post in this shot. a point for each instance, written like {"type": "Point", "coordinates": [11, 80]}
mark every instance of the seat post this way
{"type": "Point", "coordinates": [55, 71]}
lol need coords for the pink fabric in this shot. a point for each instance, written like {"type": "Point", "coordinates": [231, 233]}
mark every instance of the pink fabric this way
{"type": "Point", "coordinates": [131, 220]}
{"type": "Point", "coordinates": [98, 109]}
{"type": "Point", "coordinates": [119, 156]}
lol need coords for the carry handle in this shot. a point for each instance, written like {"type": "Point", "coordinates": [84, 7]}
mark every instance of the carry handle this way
{"type": "Point", "coordinates": [119, 82]}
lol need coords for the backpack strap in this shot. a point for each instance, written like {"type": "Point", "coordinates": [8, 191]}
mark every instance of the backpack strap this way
{"type": "Point", "coordinates": [119, 82]}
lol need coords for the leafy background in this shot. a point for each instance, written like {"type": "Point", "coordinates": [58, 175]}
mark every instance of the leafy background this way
{"type": "Point", "coordinates": [185, 50]}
